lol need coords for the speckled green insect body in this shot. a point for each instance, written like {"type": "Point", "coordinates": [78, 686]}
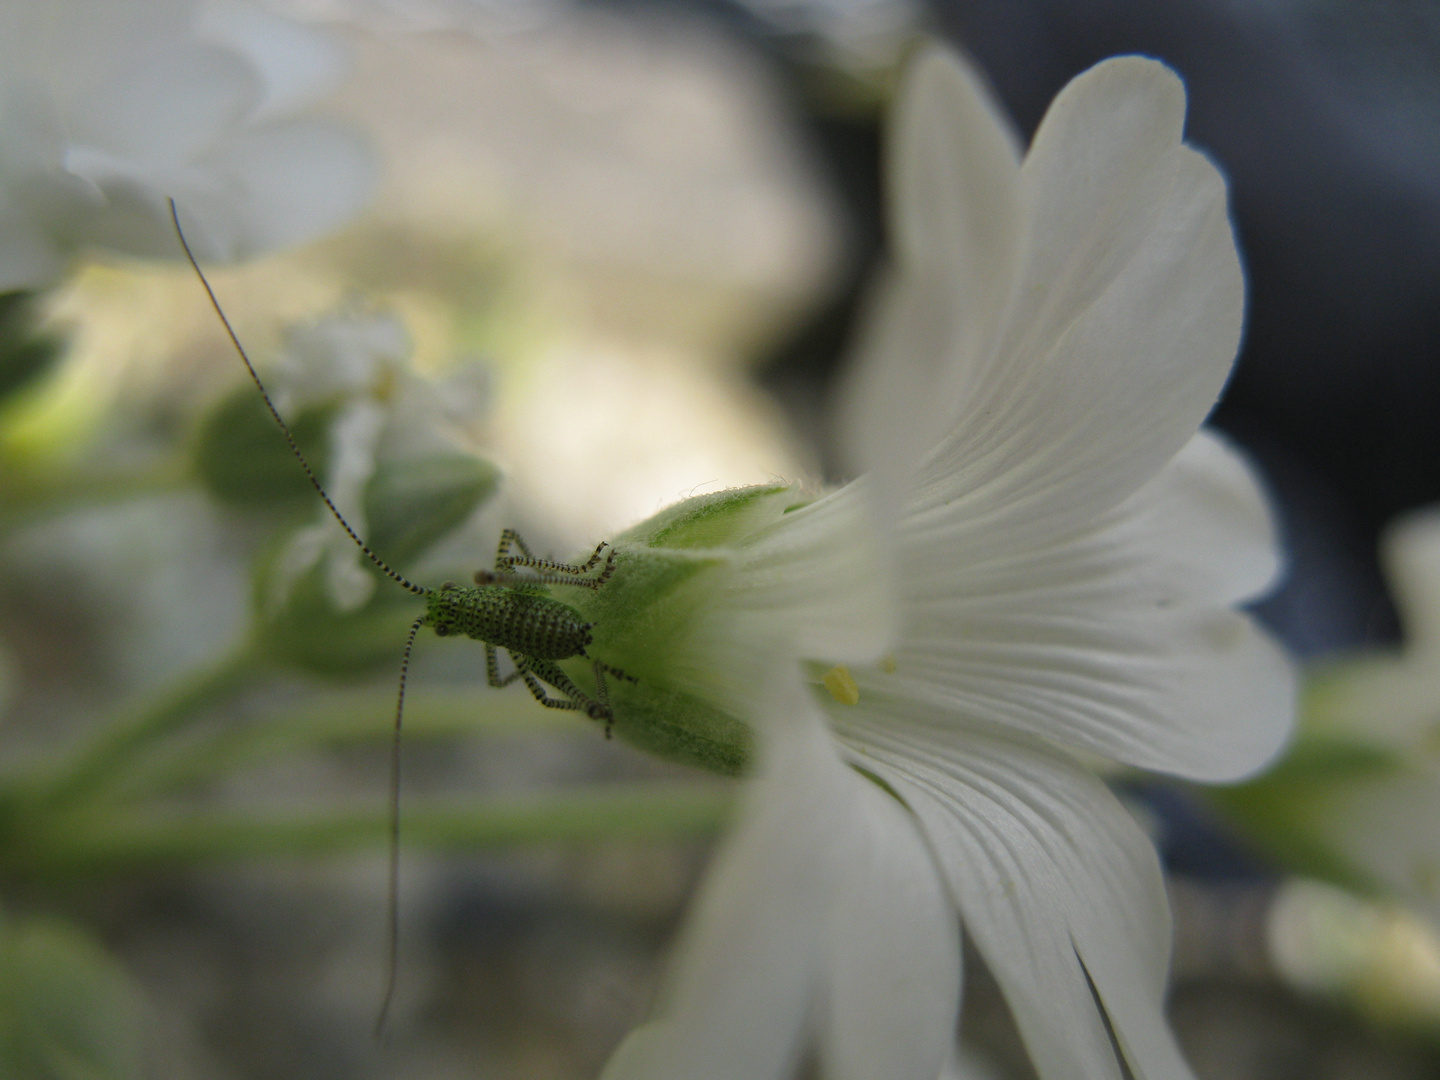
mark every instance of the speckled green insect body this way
{"type": "Point", "coordinates": [505, 610]}
{"type": "Point", "coordinates": [509, 617]}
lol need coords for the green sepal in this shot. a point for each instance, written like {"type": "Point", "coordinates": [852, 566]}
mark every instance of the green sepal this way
{"type": "Point", "coordinates": [680, 727]}
{"type": "Point", "coordinates": [67, 1009]}
{"type": "Point", "coordinates": [25, 350]}
{"type": "Point", "coordinates": [716, 520]}
{"type": "Point", "coordinates": [243, 460]}
{"type": "Point", "coordinates": [667, 569]}
{"type": "Point", "coordinates": [411, 504]}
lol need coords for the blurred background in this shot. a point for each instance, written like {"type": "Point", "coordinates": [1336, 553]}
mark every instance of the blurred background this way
{"type": "Point", "coordinates": [613, 252]}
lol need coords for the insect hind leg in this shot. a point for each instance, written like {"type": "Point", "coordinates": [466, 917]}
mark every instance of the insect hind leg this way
{"type": "Point", "coordinates": [574, 697]}
{"type": "Point", "coordinates": [602, 691]}
{"type": "Point", "coordinates": [492, 669]}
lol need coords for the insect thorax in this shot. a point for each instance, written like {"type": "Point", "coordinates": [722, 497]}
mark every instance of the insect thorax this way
{"type": "Point", "coordinates": [517, 619]}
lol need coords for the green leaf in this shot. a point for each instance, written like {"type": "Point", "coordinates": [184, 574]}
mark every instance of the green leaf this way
{"type": "Point", "coordinates": [243, 460]}
{"type": "Point", "coordinates": [1284, 810]}
{"type": "Point", "coordinates": [67, 1009]}
{"type": "Point", "coordinates": [412, 504]}
{"type": "Point", "coordinates": [25, 350]}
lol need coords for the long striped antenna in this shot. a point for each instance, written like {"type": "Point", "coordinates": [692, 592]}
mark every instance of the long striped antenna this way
{"type": "Point", "coordinates": [393, 899]}
{"type": "Point", "coordinates": [392, 962]}
{"type": "Point", "coordinates": [380, 564]}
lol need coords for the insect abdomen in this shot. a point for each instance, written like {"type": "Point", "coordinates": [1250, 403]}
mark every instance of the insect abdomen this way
{"type": "Point", "coordinates": [531, 625]}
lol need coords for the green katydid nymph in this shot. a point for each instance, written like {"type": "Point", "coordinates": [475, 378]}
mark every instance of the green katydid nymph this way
{"type": "Point", "coordinates": [507, 608]}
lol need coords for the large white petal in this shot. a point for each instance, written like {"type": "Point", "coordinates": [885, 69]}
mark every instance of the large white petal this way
{"type": "Point", "coordinates": [953, 168]}
{"type": "Point", "coordinates": [745, 972]}
{"type": "Point", "coordinates": [822, 906]}
{"type": "Point", "coordinates": [1119, 640]}
{"type": "Point", "coordinates": [817, 578]}
{"type": "Point", "coordinates": [1123, 324]}
{"type": "Point", "coordinates": [1057, 885]}
{"type": "Point", "coordinates": [891, 990]}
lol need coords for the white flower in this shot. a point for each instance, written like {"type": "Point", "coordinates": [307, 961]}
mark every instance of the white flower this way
{"type": "Point", "coordinates": [1381, 818]}
{"type": "Point", "coordinates": [107, 109]}
{"type": "Point", "coordinates": [360, 362]}
{"type": "Point", "coordinates": [1043, 559]}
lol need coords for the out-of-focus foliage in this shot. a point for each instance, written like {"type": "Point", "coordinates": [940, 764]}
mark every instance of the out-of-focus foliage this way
{"type": "Point", "coordinates": [67, 1009]}
{"type": "Point", "coordinates": [25, 350]}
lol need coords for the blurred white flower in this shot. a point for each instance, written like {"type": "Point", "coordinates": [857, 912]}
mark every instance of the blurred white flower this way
{"type": "Point", "coordinates": [1390, 698]}
{"type": "Point", "coordinates": [106, 109]}
{"type": "Point", "coordinates": [360, 362]}
{"type": "Point", "coordinates": [1382, 818]}
{"type": "Point", "coordinates": [1043, 558]}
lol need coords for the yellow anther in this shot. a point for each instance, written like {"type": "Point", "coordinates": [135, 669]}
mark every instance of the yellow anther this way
{"type": "Point", "coordinates": [841, 685]}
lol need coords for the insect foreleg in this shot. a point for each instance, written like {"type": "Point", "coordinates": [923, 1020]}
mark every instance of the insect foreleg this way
{"type": "Point", "coordinates": [505, 563]}
{"type": "Point", "coordinates": [503, 559]}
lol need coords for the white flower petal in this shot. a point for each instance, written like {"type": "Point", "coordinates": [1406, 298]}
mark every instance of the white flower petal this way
{"type": "Point", "coordinates": [817, 578]}
{"type": "Point", "coordinates": [292, 182]}
{"type": "Point", "coordinates": [1410, 552]}
{"type": "Point", "coordinates": [168, 110]}
{"type": "Point", "coordinates": [1058, 886]}
{"type": "Point", "coordinates": [953, 167]}
{"type": "Point", "coordinates": [354, 436]}
{"type": "Point", "coordinates": [1123, 326]}
{"type": "Point", "coordinates": [1119, 641]}
{"type": "Point", "coordinates": [892, 977]}
{"type": "Point", "coordinates": [746, 967]}
{"type": "Point", "coordinates": [70, 44]}
{"type": "Point", "coordinates": [297, 63]}
{"type": "Point", "coordinates": [137, 108]}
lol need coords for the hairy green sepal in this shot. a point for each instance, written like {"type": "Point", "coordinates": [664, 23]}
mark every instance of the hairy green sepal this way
{"type": "Point", "coordinates": [668, 569]}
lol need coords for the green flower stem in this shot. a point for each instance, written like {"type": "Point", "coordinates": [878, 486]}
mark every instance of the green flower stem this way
{"type": "Point", "coordinates": [349, 717]}
{"type": "Point", "coordinates": [90, 770]}
{"type": "Point", "coordinates": [103, 843]}
{"type": "Point", "coordinates": [24, 497]}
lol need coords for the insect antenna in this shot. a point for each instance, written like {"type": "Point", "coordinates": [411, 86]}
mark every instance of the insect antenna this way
{"type": "Point", "coordinates": [393, 885]}
{"type": "Point", "coordinates": [392, 962]}
{"type": "Point", "coordinates": [380, 564]}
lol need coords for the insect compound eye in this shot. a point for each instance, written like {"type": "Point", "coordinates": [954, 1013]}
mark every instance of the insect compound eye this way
{"type": "Point", "coordinates": [441, 630]}
{"type": "Point", "coordinates": [446, 586]}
